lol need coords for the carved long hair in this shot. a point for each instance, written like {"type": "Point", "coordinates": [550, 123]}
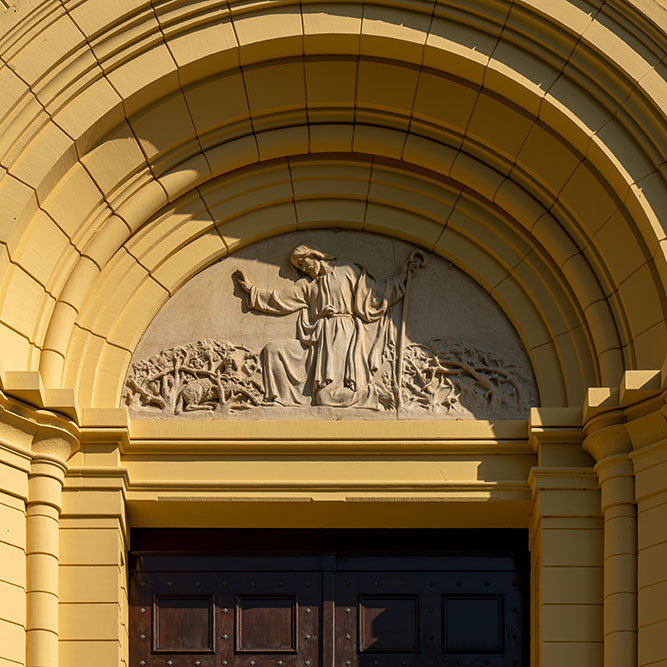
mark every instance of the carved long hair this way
{"type": "Point", "coordinates": [303, 251]}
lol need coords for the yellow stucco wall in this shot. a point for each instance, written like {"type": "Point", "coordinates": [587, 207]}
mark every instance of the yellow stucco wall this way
{"type": "Point", "coordinates": [141, 142]}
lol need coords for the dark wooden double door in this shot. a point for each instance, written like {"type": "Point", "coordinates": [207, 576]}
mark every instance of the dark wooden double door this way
{"type": "Point", "coordinates": [328, 598]}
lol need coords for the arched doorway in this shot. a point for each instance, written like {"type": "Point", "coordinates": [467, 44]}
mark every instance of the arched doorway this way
{"type": "Point", "coordinates": [142, 142]}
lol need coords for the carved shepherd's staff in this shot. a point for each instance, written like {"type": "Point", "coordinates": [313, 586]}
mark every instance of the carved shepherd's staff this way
{"type": "Point", "coordinates": [401, 339]}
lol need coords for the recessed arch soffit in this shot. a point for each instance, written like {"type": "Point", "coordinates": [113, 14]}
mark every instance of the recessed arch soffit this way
{"type": "Point", "coordinates": [555, 122]}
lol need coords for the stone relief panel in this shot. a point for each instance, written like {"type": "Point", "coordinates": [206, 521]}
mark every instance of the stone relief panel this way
{"type": "Point", "coordinates": [330, 325]}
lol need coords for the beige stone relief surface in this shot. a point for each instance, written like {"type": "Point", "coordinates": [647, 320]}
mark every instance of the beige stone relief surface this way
{"type": "Point", "coordinates": [330, 325]}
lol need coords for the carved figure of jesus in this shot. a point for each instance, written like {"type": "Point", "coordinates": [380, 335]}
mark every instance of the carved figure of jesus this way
{"type": "Point", "coordinates": [342, 327]}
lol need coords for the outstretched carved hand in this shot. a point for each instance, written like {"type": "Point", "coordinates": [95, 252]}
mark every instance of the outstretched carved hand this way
{"type": "Point", "coordinates": [239, 277]}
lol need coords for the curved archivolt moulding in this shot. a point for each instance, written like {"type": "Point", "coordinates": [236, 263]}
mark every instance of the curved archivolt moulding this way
{"type": "Point", "coordinates": [140, 147]}
{"type": "Point", "coordinates": [306, 193]}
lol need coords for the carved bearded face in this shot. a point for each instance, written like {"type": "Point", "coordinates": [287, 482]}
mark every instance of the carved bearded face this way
{"type": "Point", "coordinates": [311, 266]}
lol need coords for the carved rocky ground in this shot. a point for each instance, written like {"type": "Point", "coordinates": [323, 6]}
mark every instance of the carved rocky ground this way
{"type": "Point", "coordinates": [443, 379]}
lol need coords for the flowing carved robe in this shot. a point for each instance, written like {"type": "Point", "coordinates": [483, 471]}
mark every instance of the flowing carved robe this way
{"type": "Point", "coordinates": [334, 357]}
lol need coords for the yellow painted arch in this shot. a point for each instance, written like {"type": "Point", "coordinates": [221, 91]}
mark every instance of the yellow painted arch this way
{"type": "Point", "coordinates": [356, 192]}
{"type": "Point", "coordinates": [542, 135]}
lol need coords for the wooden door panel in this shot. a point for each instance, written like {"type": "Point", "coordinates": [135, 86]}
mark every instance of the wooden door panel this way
{"type": "Point", "coordinates": [266, 624]}
{"type": "Point", "coordinates": [473, 624]}
{"type": "Point", "coordinates": [225, 619]}
{"type": "Point", "coordinates": [389, 623]}
{"type": "Point", "coordinates": [418, 619]}
{"type": "Point", "coordinates": [272, 618]}
{"type": "Point", "coordinates": [183, 624]}
{"type": "Point", "coordinates": [335, 609]}
{"type": "Point", "coordinates": [172, 620]}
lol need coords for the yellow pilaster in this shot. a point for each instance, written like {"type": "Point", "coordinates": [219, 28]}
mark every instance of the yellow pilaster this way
{"type": "Point", "coordinates": [651, 475]}
{"type": "Point", "coordinates": [620, 560]}
{"type": "Point", "coordinates": [626, 432]}
{"type": "Point", "coordinates": [44, 505]}
{"type": "Point", "coordinates": [648, 431]}
{"type": "Point", "coordinates": [35, 445]}
{"type": "Point", "coordinates": [566, 542]}
{"type": "Point", "coordinates": [14, 469]}
{"type": "Point", "coordinates": [607, 440]}
{"type": "Point", "coordinates": [51, 448]}
{"type": "Point", "coordinates": [93, 565]}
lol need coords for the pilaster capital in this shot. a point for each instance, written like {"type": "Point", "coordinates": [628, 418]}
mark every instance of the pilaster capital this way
{"type": "Point", "coordinates": [617, 480]}
{"type": "Point", "coordinates": [54, 442]}
{"type": "Point", "coordinates": [37, 433]}
{"type": "Point", "coordinates": [607, 436]}
{"type": "Point", "coordinates": [605, 428]}
{"type": "Point", "coordinates": [618, 421]}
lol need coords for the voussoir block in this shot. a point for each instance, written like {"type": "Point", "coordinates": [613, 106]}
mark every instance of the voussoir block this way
{"type": "Point", "coordinates": [331, 26]}
{"type": "Point", "coordinates": [395, 33]}
{"type": "Point", "coordinates": [272, 33]}
{"type": "Point", "coordinates": [205, 51]}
